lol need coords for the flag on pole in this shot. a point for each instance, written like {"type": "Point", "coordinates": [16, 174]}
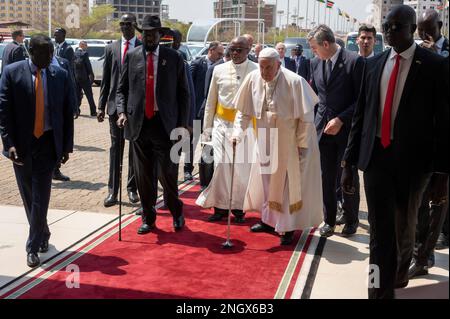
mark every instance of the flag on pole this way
{"type": "Point", "coordinates": [354, 20]}
{"type": "Point", "coordinates": [322, 1]}
{"type": "Point", "coordinates": [330, 4]}
{"type": "Point", "coordinates": [440, 6]}
{"type": "Point", "coordinates": [340, 12]}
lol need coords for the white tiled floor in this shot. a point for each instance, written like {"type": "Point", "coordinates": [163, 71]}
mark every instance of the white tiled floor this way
{"type": "Point", "coordinates": [67, 227]}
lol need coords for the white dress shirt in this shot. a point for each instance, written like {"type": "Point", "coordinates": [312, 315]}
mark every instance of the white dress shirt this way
{"type": "Point", "coordinates": [131, 45]}
{"type": "Point", "coordinates": [405, 64]}
{"type": "Point", "coordinates": [155, 72]}
{"type": "Point", "coordinates": [369, 56]}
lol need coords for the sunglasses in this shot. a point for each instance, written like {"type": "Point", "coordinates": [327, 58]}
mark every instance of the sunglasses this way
{"type": "Point", "coordinates": [125, 24]}
{"type": "Point", "coordinates": [395, 27]}
{"type": "Point", "coordinates": [237, 50]}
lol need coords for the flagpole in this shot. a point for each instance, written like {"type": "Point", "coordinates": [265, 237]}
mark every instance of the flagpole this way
{"type": "Point", "coordinates": [307, 5]}
{"type": "Point", "coordinates": [318, 12]}
{"type": "Point", "coordinates": [324, 13]}
{"type": "Point", "coordinates": [50, 18]}
{"type": "Point", "coordinates": [314, 11]}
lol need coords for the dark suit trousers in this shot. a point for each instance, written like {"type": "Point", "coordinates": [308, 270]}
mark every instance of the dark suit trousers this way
{"type": "Point", "coordinates": [115, 156]}
{"type": "Point", "coordinates": [429, 225]}
{"type": "Point", "coordinates": [393, 198]}
{"type": "Point", "coordinates": [153, 148]}
{"type": "Point", "coordinates": [331, 152]}
{"type": "Point", "coordinates": [34, 180]}
{"type": "Point", "coordinates": [189, 166]}
{"type": "Point", "coordinates": [86, 86]}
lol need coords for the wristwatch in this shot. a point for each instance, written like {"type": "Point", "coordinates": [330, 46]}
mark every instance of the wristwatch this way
{"type": "Point", "coordinates": [343, 164]}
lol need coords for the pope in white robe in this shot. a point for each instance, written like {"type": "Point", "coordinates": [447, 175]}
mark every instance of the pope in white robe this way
{"type": "Point", "coordinates": [219, 116]}
{"type": "Point", "coordinates": [285, 180]}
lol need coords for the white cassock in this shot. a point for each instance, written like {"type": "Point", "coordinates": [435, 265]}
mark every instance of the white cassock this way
{"type": "Point", "coordinates": [285, 184]}
{"type": "Point", "coordinates": [219, 115]}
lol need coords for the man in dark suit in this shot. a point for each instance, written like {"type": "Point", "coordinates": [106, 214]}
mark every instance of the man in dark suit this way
{"type": "Point", "coordinates": [302, 64]}
{"type": "Point", "coordinates": [430, 217]}
{"type": "Point", "coordinates": [286, 62]}
{"type": "Point", "coordinates": [335, 76]}
{"type": "Point", "coordinates": [152, 100]}
{"type": "Point", "coordinates": [36, 126]}
{"type": "Point", "coordinates": [63, 50]}
{"type": "Point", "coordinates": [403, 107]}
{"type": "Point", "coordinates": [199, 68]}
{"type": "Point", "coordinates": [14, 51]}
{"type": "Point", "coordinates": [84, 76]}
{"type": "Point", "coordinates": [112, 66]}
{"type": "Point", "coordinates": [63, 63]}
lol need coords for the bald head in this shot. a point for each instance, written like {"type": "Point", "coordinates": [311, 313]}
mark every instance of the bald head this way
{"type": "Point", "coordinates": [399, 27]}
{"type": "Point", "coordinates": [239, 49]}
{"type": "Point", "coordinates": [429, 25]}
{"type": "Point", "coordinates": [250, 39]}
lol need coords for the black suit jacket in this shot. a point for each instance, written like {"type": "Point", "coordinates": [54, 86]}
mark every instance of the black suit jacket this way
{"type": "Point", "coordinates": [338, 97]}
{"type": "Point", "coordinates": [17, 108]}
{"type": "Point", "coordinates": [112, 65]}
{"type": "Point", "coordinates": [290, 64]}
{"type": "Point", "coordinates": [172, 91]}
{"type": "Point", "coordinates": [421, 141]}
{"type": "Point", "coordinates": [82, 66]}
{"type": "Point", "coordinates": [13, 52]}
{"type": "Point", "coordinates": [199, 67]}
{"type": "Point", "coordinates": [63, 63]}
{"type": "Point", "coordinates": [303, 68]}
{"type": "Point", "coordinates": [446, 48]}
{"type": "Point", "coordinates": [66, 52]}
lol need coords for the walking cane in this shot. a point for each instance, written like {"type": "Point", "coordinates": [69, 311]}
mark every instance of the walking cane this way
{"type": "Point", "coordinates": [228, 244]}
{"type": "Point", "coordinates": [120, 181]}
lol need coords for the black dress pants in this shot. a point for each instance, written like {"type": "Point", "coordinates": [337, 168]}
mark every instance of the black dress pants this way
{"type": "Point", "coordinates": [34, 180]}
{"type": "Point", "coordinates": [393, 194]}
{"type": "Point", "coordinates": [152, 148]}
{"type": "Point", "coordinates": [115, 156]}
{"type": "Point", "coordinates": [430, 221]}
{"type": "Point", "coordinates": [331, 153]}
{"type": "Point", "coordinates": [86, 87]}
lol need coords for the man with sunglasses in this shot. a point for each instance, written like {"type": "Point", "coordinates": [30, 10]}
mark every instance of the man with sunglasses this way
{"type": "Point", "coordinates": [218, 122]}
{"type": "Point", "coordinates": [399, 138]}
{"type": "Point", "coordinates": [431, 218]}
{"type": "Point", "coordinates": [112, 66]}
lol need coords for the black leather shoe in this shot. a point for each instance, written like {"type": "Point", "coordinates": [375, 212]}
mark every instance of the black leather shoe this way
{"type": "Point", "coordinates": [287, 238]}
{"type": "Point", "coordinates": [57, 175]}
{"type": "Point", "coordinates": [188, 176]}
{"type": "Point", "coordinates": [145, 228]}
{"type": "Point", "coordinates": [350, 228]}
{"type": "Point", "coordinates": [327, 230]}
{"type": "Point", "coordinates": [417, 270]}
{"type": "Point", "coordinates": [178, 223]}
{"type": "Point", "coordinates": [44, 247]}
{"type": "Point", "coordinates": [133, 196]}
{"type": "Point", "coordinates": [442, 242]}
{"type": "Point", "coordinates": [239, 219]}
{"type": "Point", "coordinates": [261, 227]}
{"type": "Point", "coordinates": [341, 220]}
{"type": "Point", "coordinates": [111, 200]}
{"type": "Point", "coordinates": [215, 217]}
{"type": "Point", "coordinates": [401, 284]}
{"type": "Point", "coordinates": [33, 260]}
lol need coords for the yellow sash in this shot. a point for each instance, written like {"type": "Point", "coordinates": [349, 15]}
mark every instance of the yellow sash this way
{"type": "Point", "coordinates": [229, 115]}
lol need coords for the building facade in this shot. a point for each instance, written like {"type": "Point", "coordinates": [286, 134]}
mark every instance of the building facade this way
{"type": "Point", "coordinates": [140, 8]}
{"type": "Point", "coordinates": [420, 6]}
{"type": "Point", "coordinates": [35, 12]}
{"type": "Point", "coordinates": [381, 9]}
{"type": "Point", "coordinates": [239, 9]}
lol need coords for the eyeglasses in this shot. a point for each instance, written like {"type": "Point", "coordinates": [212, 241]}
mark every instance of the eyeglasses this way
{"type": "Point", "coordinates": [237, 50]}
{"type": "Point", "coordinates": [395, 27]}
{"type": "Point", "coordinates": [125, 24]}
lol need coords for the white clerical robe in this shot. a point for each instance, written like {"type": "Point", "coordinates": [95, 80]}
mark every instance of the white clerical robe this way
{"type": "Point", "coordinates": [219, 115]}
{"type": "Point", "coordinates": [285, 182]}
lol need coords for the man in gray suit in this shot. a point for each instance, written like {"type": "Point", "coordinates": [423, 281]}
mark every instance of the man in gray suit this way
{"type": "Point", "coordinates": [14, 51]}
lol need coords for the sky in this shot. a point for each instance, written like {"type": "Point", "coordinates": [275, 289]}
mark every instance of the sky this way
{"type": "Point", "coordinates": [189, 10]}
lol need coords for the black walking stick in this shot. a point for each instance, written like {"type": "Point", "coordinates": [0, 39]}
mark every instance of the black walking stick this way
{"type": "Point", "coordinates": [120, 180]}
{"type": "Point", "coordinates": [228, 244]}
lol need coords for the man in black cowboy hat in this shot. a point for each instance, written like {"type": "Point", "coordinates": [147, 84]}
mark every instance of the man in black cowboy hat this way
{"type": "Point", "coordinates": [152, 100]}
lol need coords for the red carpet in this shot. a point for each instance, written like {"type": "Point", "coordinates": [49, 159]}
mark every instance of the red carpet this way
{"type": "Point", "coordinates": [168, 264]}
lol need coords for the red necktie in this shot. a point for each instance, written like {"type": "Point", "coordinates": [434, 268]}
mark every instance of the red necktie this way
{"type": "Point", "coordinates": [150, 88]}
{"type": "Point", "coordinates": [387, 112]}
{"type": "Point", "coordinates": [127, 45]}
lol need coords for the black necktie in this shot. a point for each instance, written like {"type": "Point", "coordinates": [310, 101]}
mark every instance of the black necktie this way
{"type": "Point", "coordinates": [329, 69]}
